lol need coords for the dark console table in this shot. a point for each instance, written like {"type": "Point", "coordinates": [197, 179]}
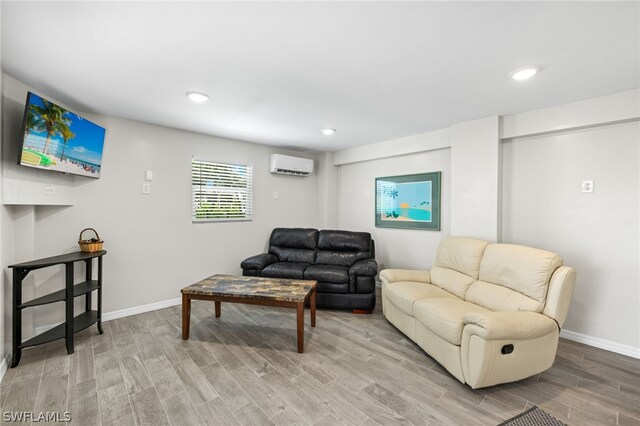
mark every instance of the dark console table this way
{"type": "Point", "coordinates": [72, 324]}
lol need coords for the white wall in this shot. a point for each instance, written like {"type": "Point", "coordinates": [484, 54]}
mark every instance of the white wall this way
{"type": "Point", "coordinates": [609, 109]}
{"type": "Point", "coordinates": [154, 249]}
{"type": "Point", "coordinates": [423, 142]}
{"type": "Point", "coordinates": [475, 179]}
{"type": "Point", "coordinates": [395, 248]}
{"type": "Point", "coordinates": [597, 233]}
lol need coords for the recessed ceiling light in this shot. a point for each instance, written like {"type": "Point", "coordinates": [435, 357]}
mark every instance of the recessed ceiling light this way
{"type": "Point", "coordinates": [197, 97]}
{"type": "Point", "coordinates": [524, 73]}
{"type": "Point", "coordinates": [328, 132]}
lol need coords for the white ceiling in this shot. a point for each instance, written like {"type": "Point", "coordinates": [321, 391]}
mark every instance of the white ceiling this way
{"type": "Point", "coordinates": [278, 73]}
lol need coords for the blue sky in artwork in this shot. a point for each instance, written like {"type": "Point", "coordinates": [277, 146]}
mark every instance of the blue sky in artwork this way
{"type": "Point", "coordinates": [414, 193]}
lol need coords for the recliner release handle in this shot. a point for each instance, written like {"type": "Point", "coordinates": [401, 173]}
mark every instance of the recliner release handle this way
{"type": "Point", "coordinates": [506, 349]}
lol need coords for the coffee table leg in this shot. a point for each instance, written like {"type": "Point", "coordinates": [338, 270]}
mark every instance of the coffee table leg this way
{"type": "Point", "coordinates": [217, 303]}
{"type": "Point", "coordinates": [312, 306]}
{"type": "Point", "coordinates": [186, 316]}
{"type": "Point", "coordinates": [300, 318]}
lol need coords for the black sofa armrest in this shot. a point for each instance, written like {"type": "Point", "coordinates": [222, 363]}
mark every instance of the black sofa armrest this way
{"type": "Point", "coordinates": [258, 262]}
{"type": "Point", "coordinates": [364, 267]}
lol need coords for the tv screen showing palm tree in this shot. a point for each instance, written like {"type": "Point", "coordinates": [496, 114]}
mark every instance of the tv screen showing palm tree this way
{"type": "Point", "coordinates": [59, 140]}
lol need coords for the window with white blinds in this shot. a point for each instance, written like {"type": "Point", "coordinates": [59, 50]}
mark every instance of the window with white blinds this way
{"type": "Point", "coordinates": [221, 191]}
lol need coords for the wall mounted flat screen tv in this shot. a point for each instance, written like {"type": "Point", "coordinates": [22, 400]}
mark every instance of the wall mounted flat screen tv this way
{"type": "Point", "coordinates": [56, 139]}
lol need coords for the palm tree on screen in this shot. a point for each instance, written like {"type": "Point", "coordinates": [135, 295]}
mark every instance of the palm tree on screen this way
{"type": "Point", "coordinates": [31, 122]}
{"type": "Point", "coordinates": [51, 119]}
{"type": "Point", "coordinates": [66, 134]}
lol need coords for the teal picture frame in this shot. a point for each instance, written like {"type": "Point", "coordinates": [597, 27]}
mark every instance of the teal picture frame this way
{"type": "Point", "coordinates": [409, 201]}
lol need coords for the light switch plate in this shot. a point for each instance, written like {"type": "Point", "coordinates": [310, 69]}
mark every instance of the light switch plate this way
{"type": "Point", "coordinates": [587, 186]}
{"type": "Point", "coordinates": [146, 188]}
{"type": "Point", "coordinates": [148, 175]}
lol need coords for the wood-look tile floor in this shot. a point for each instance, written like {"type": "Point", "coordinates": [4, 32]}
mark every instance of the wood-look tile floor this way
{"type": "Point", "coordinates": [243, 369]}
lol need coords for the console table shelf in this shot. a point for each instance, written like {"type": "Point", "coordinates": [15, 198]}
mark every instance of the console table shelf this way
{"type": "Point", "coordinates": [60, 295]}
{"type": "Point", "coordinates": [72, 324]}
{"type": "Point", "coordinates": [80, 322]}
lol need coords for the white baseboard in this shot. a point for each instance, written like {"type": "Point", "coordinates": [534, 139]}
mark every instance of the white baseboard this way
{"type": "Point", "coordinates": [108, 316]}
{"type": "Point", "coordinates": [597, 342]}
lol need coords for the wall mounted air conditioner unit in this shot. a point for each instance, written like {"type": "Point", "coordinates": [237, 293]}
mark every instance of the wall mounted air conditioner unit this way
{"type": "Point", "coordinates": [288, 165]}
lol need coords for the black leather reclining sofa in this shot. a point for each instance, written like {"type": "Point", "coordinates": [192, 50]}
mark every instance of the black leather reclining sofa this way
{"type": "Point", "coordinates": [342, 262]}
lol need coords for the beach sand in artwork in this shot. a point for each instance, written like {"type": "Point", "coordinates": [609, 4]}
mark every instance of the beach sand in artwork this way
{"type": "Point", "coordinates": [64, 166]}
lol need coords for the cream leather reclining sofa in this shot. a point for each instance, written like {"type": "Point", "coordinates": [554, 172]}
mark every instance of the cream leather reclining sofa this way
{"type": "Point", "coordinates": [489, 313]}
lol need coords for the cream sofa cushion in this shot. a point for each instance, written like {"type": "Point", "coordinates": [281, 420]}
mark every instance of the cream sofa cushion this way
{"type": "Point", "coordinates": [460, 254]}
{"type": "Point", "coordinates": [444, 316]}
{"type": "Point", "coordinates": [452, 281]}
{"type": "Point", "coordinates": [404, 293]}
{"type": "Point", "coordinates": [523, 269]}
{"type": "Point", "coordinates": [457, 264]}
{"type": "Point", "coordinates": [499, 298]}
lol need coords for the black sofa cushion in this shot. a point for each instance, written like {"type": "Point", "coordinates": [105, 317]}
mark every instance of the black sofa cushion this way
{"type": "Point", "coordinates": [285, 270]}
{"type": "Point", "coordinates": [327, 273]}
{"type": "Point", "coordinates": [346, 301]}
{"type": "Point", "coordinates": [343, 248]}
{"type": "Point", "coordinates": [294, 244]}
{"type": "Point", "coordinates": [342, 288]}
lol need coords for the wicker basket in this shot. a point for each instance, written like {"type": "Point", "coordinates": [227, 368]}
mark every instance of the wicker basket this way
{"type": "Point", "coordinates": [91, 245]}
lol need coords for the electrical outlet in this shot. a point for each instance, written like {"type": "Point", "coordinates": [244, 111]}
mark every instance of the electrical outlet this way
{"type": "Point", "coordinates": [587, 186]}
{"type": "Point", "coordinates": [146, 188]}
{"type": "Point", "coordinates": [49, 190]}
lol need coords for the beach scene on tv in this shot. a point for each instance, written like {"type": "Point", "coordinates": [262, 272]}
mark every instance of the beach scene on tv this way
{"type": "Point", "coordinates": [405, 201]}
{"type": "Point", "coordinates": [57, 139]}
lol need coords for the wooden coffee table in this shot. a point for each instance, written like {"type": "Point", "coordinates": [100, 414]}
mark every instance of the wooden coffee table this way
{"type": "Point", "coordinates": [254, 291]}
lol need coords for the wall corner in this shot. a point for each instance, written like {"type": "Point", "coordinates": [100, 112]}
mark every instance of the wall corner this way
{"type": "Point", "coordinates": [326, 192]}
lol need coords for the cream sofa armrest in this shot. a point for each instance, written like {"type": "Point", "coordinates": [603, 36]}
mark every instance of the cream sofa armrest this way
{"type": "Point", "coordinates": [510, 325]}
{"type": "Point", "coordinates": [394, 275]}
{"type": "Point", "coordinates": [561, 286]}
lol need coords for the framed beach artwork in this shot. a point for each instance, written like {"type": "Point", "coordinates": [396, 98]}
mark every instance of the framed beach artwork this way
{"type": "Point", "coordinates": [409, 201]}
